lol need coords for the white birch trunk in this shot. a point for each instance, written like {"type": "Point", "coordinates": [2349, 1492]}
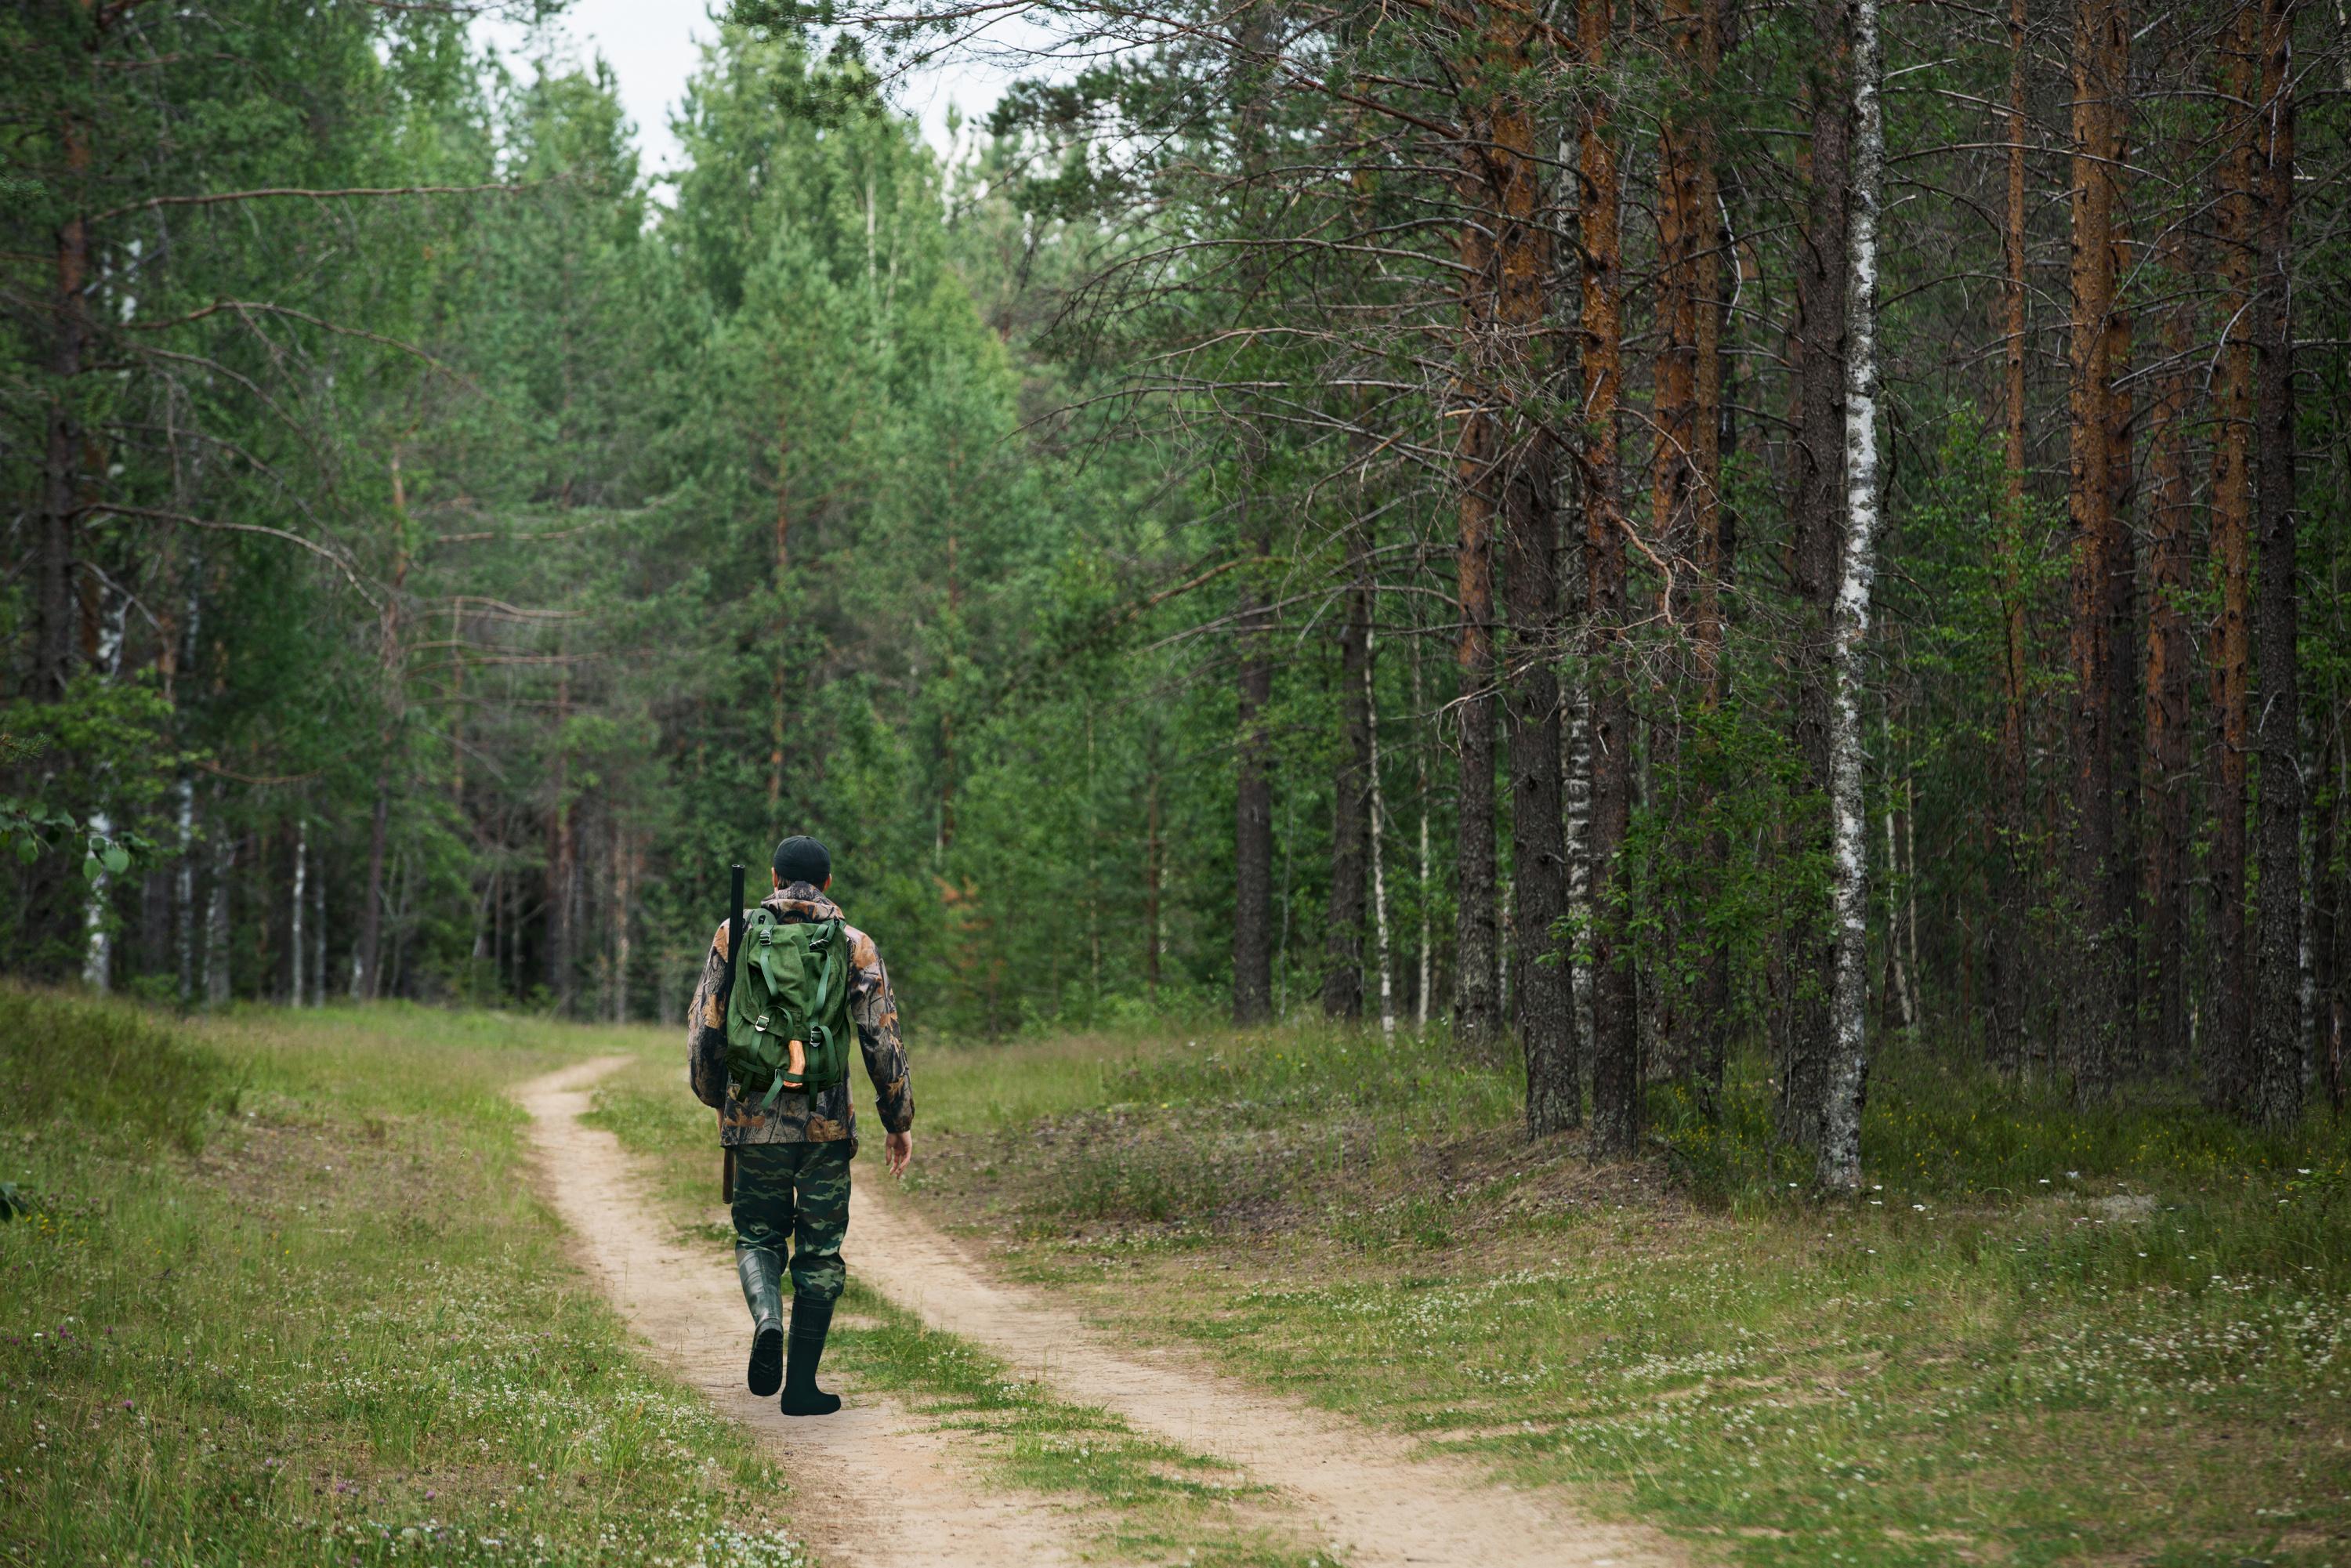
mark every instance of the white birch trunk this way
{"type": "Point", "coordinates": [98, 931]}
{"type": "Point", "coordinates": [1379, 865]}
{"type": "Point", "coordinates": [183, 892]}
{"type": "Point", "coordinates": [1575, 739]}
{"type": "Point", "coordinates": [301, 887]}
{"type": "Point", "coordinates": [216, 925]}
{"type": "Point", "coordinates": [319, 941]}
{"type": "Point", "coordinates": [1427, 926]}
{"type": "Point", "coordinates": [98, 946]}
{"type": "Point", "coordinates": [1840, 1160]}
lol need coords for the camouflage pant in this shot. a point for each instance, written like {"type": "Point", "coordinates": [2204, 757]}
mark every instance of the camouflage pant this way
{"type": "Point", "coordinates": [799, 1192]}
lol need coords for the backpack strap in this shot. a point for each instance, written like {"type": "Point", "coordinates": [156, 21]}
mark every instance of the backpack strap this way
{"type": "Point", "coordinates": [822, 945]}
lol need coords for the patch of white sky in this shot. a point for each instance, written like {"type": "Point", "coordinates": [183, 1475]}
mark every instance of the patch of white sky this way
{"type": "Point", "coordinates": [653, 48]}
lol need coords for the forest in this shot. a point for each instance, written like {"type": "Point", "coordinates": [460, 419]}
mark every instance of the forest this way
{"type": "Point", "coordinates": [1618, 538]}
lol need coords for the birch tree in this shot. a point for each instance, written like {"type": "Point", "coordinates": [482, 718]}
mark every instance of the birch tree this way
{"type": "Point", "coordinates": [1840, 1154]}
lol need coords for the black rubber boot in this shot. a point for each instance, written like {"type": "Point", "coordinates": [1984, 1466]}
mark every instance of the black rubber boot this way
{"type": "Point", "coordinates": [811, 1321]}
{"type": "Point", "coordinates": [762, 1273]}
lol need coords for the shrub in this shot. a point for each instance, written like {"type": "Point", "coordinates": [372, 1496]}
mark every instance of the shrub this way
{"type": "Point", "coordinates": [105, 1067]}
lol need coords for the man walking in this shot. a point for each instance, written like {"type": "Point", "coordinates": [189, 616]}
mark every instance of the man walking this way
{"type": "Point", "coordinates": [791, 1147]}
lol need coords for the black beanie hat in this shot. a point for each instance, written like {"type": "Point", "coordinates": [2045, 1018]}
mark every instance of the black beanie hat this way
{"type": "Point", "coordinates": [802, 859]}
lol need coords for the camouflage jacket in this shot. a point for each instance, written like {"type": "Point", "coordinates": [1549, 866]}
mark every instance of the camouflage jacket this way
{"type": "Point", "coordinates": [827, 1117]}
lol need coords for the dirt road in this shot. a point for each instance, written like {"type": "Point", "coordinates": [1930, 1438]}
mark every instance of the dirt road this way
{"type": "Point", "coordinates": [1370, 1497]}
{"type": "Point", "coordinates": [873, 1485]}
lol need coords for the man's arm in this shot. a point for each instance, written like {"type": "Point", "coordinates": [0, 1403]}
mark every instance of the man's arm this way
{"type": "Point", "coordinates": [875, 1011]}
{"type": "Point", "coordinates": [705, 1028]}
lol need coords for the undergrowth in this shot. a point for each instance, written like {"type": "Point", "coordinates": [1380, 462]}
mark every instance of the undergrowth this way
{"type": "Point", "coordinates": [2037, 1338]}
{"type": "Point", "coordinates": [283, 1296]}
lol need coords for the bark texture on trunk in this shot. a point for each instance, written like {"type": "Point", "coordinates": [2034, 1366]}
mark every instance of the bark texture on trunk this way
{"type": "Point", "coordinates": [1343, 952]}
{"type": "Point", "coordinates": [2099, 41]}
{"type": "Point", "coordinates": [2276, 1018]}
{"type": "Point", "coordinates": [562, 865]}
{"type": "Point", "coordinates": [2327, 922]}
{"type": "Point", "coordinates": [1510, 360]}
{"type": "Point", "coordinates": [1818, 503]}
{"type": "Point", "coordinates": [2228, 1069]}
{"type": "Point", "coordinates": [1253, 811]}
{"type": "Point", "coordinates": [2010, 964]}
{"type": "Point", "coordinates": [1376, 822]}
{"type": "Point", "coordinates": [56, 614]}
{"type": "Point", "coordinates": [1685, 470]}
{"type": "Point", "coordinates": [782, 564]}
{"type": "Point", "coordinates": [1839, 1167]}
{"type": "Point", "coordinates": [1616, 1070]}
{"type": "Point", "coordinates": [1153, 862]}
{"type": "Point", "coordinates": [2170, 547]}
{"type": "Point", "coordinates": [298, 971]}
{"type": "Point", "coordinates": [1477, 1004]}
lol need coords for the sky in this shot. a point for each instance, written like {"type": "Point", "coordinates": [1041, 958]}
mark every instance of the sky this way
{"type": "Point", "coordinates": [652, 46]}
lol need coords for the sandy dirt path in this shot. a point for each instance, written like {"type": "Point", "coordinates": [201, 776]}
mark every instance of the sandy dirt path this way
{"type": "Point", "coordinates": [872, 1485]}
{"type": "Point", "coordinates": [897, 1492]}
{"type": "Point", "coordinates": [1373, 1498]}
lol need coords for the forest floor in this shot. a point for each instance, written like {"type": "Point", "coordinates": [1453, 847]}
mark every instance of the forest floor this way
{"type": "Point", "coordinates": [1082, 1445]}
{"type": "Point", "coordinates": [2041, 1337]}
{"type": "Point", "coordinates": [284, 1295]}
{"type": "Point", "coordinates": [402, 1285]}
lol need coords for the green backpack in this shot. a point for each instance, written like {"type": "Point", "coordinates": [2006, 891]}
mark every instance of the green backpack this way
{"type": "Point", "coordinates": [792, 985]}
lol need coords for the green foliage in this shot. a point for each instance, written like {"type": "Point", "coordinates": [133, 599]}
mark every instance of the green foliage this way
{"type": "Point", "coordinates": [344, 1329]}
{"type": "Point", "coordinates": [108, 1070]}
{"type": "Point", "coordinates": [2141, 1360]}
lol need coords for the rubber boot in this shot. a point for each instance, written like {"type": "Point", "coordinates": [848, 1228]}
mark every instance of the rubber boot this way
{"type": "Point", "coordinates": [811, 1321]}
{"type": "Point", "coordinates": [762, 1273]}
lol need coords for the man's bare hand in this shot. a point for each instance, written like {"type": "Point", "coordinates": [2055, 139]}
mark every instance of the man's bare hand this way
{"type": "Point", "coordinates": [898, 1148]}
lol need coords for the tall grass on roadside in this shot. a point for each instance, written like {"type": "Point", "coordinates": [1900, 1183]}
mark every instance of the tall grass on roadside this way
{"type": "Point", "coordinates": [2040, 1338]}
{"type": "Point", "coordinates": [324, 1320]}
{"type": "Point", "coordinates": [103, 1068]}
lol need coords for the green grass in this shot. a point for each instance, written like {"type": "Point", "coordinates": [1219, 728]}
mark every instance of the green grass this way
{"type": "Point", "coordinates": [1144, 1499]}
{"type": "Point", "coordinates": [1135, 1496]}
{"type": "Point", "coordinates": [285, 1297]}
{"type": "Point", "coordinates": [2040, 1338]}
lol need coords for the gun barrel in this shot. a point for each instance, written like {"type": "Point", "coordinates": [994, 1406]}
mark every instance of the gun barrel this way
{"type": "Point", "coordinates": [734, 918]}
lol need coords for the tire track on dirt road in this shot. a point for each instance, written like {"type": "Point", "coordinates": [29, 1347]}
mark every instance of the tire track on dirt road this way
{"type": "Point", "coordinates": [873, 1485]}
{"type": "Point", "coordinates": [1378, 1500]}
{"type": "Point", "coordinates": [899, 1494]}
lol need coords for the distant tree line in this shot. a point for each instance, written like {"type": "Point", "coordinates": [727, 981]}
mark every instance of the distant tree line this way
{"type": "Point", "coordinates": [1632, 533]}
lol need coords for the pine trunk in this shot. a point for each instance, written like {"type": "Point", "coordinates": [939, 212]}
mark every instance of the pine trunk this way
{"type": "Point", "coordinates": [2276, 1016]}
{"type": "Point", "coordinates": [1252, 812]}
{"type": "Point", "coordinates": [55, 608]}
{"type": "Point", "coordinates": [2228, 1073]}
{"type": "Point", "coordinates": [1818, 451]}
{"type": "Point", "coordinates": [2164, 816]}
{"type": "Point", "coordinates": [562, 864]}
{"type": "Point", "coordinates": [1686, 469]}
{"type": "Point", "coordinates": [1476, 1006]}
{"type": "Point", "coordinates": [2327, 923]}
{"type": "Point", "coordinates": [1616, 1070]}
{"type": "Point", "coordinates": [2012, 896]}
{"type": "Point", "coordinates": [1502, 177]}
{"type": "Point", "coordinates": [2092, 1026]}
{"type": "Point", "coordinates": [368, 951]}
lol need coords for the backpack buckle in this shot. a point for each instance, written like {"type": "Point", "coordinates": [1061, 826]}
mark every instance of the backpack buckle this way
{"type": "Point", "coordinates": [760, 1024]}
